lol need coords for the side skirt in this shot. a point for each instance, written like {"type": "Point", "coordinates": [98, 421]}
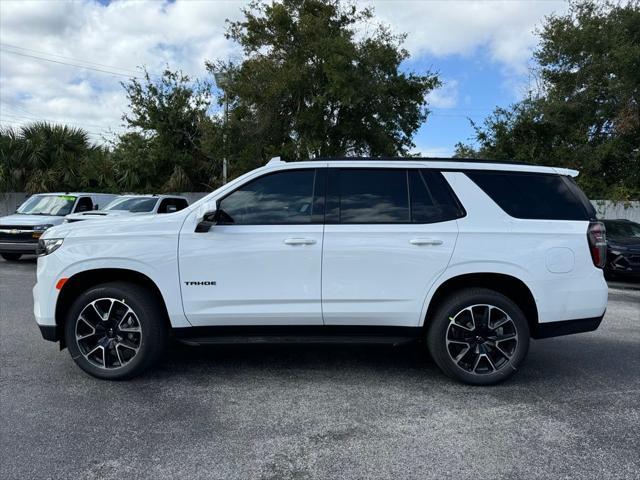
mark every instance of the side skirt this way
{"type": "Point", "coordinates": [293, 334]}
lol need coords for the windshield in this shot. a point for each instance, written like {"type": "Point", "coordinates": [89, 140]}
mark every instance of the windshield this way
{"type": "Point", "coordinates": [57, 205]}
{"type": "Point", "coordinates": [620, 229]}
{"type": "Point", "coordinates": [132, 204]}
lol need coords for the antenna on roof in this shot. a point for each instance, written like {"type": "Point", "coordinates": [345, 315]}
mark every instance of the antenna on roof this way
{"type": "Point", "coordinates": [274, 160]}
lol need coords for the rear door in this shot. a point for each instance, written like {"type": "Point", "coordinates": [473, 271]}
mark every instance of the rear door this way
{"type": "Point", "coordinates": [389, 234]}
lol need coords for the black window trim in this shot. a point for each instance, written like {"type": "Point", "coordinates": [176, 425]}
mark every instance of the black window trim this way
{"type": "Point", "coordinates": [314, 220]}
{"type": "Point", "coordinates": [332, 183]}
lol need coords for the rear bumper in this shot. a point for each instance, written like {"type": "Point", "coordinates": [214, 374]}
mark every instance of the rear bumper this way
{"type": "Point", "coordinates": [18, 247]}
{"type": "Point", "coordinates": [567, 327]}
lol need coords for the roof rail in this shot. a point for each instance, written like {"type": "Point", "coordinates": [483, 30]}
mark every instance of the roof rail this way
{"type": "Point", "coordinates": [420, 159]}
{"type": "Point", "coordinates": [274, 160]}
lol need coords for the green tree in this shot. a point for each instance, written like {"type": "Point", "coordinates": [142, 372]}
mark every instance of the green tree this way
{"type": "Point", "coordinates": [164, 148]}
{"type": "Point", "coordinates": [308, 86]}
{"type": "Point", "coordinates": [43, 157]}
{"type": "Point", "coordinates": [462, 150]}
{"type": "Point", "coordinates": [587, 114]}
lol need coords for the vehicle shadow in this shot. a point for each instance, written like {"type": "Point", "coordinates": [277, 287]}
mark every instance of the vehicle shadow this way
{"type": "Point", "coordinates": [581, 361]}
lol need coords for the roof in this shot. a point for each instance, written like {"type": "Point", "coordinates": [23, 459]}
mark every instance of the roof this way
{"type": "Point", "coordinates": [150, 195]}
{"type": "Point", "coordinates": [77, 194]}
{"type": "Point", "coordinates": [434, 162]}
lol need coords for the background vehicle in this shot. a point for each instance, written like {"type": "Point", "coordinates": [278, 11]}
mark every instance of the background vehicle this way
{"type": "Point", "coordinates": [127, 205]}
{"type": "Point", "coordinates": [19, 232]}
{"type": "Point", "coordinates": [474, 257]}
{"type": "Point", "coordinates": [623, 249]}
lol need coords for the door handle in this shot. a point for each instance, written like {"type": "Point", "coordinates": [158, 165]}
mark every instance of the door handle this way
{"type": "Point", "coordinates": [425, 241]}
{"type": "Point", "coordinates": [299, 241]}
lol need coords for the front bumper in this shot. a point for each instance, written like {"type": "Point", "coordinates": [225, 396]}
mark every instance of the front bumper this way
{"type": "Point", "coordinates": [25, 248]}
{"type": "Point", "coordinates": [50, 332]}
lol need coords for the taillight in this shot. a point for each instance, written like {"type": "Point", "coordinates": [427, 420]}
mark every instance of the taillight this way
{"type": "Point", "coordinates": [597, 236]}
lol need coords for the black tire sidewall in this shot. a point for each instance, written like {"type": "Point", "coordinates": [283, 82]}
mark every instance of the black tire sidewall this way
{"type": "Point", "coordinates": [436, 336]}
{"type": "Point", "coordinates": [150, 318]}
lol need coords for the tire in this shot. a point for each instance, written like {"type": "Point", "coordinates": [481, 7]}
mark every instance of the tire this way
{"type": "Point", "coordinates": [11, 257]}
{"type": "Point", "coordinates": [486, 354]}
{"type": "Point", "coordinates": [131, 340]}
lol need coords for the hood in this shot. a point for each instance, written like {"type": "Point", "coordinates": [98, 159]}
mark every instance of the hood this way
{"type": "Point", "coordinates": [99, 214]}
{"type": "Point", "coordinates": [30, 220]}
{"type": "Point", "coordinates": [117, 224]}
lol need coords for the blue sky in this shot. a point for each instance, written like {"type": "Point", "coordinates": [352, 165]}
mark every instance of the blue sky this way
{"type": "Point", "coordinates": [64, 61]}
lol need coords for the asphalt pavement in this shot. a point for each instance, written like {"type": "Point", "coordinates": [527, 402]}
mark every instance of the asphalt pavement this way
{"type": "Point", "coordinates": [320, 412]}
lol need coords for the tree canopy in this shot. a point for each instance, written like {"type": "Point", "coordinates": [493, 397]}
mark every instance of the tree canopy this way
{"type": "Point", "coordinates": [308, 86]}
{"type": "Point", "coordinates": [313, 83]}
{"type": "Point", "coordinates": [587, 113]}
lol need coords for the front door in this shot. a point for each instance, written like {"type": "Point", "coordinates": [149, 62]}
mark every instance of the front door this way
{"type": "Point", "coordinates": [261, 264]}
{"type": "Point", "coordinates": [389, 234]}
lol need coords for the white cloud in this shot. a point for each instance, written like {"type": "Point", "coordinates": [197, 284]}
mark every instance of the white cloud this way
{"type": "Point", "coordinates": [440, 28]}
{"type": "Point", "coordinates": [118, 38]}
{"type": "Point", "coordinates": [123, 35]}
{"type": "Point", "coordinates": [444, 97]}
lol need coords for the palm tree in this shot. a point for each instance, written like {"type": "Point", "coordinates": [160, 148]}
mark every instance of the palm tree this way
{"type": "Point", "coordinates": [43, 157]}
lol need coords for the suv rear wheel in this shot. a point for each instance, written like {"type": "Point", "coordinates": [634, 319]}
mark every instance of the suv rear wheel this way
{"type": "Point", "coordinates": [115, 330]}
{"type": "Point", "coordinates": [478, 336]}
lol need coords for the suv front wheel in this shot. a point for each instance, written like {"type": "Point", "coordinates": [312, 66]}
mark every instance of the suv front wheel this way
{"type": "Point", "coordinates": [115, 330]}
{"type": "Point", "coordinates": [478, 336]}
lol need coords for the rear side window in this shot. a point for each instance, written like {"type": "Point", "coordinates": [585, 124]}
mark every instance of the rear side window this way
{"type": "Point", "coordinates": [431, 198]}
{"type": "Point", "coordinates": [532, 195]}
{"type": "Point", "coordinates": [373, 196]}
{"type": "Point", "coordinates": [388, 196]}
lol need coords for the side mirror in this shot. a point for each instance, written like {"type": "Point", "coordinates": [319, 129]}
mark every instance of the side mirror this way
{"type": "Point", "coordinates": [96, 207]}
{"type": "Point", "coordinates": [208, 220]}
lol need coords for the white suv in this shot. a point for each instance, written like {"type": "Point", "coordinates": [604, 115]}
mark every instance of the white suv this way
{"type": "Point", "coordinates": [472, 257]}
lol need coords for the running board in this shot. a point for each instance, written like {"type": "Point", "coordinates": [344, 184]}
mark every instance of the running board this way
{"type": "Point", "coordinates": [297, 335]}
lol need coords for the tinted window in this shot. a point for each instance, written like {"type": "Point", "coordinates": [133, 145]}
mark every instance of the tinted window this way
{"type": "Point", "coordinates": [170, 205]}
{"type": "Point", "coordinates": [431, 198]}
{"type": "Point", "coordinates": [534, 196]}
{"type": "Point", "coordinates": [84, 205]}
{"type": "Point", "coordinates": [277, 198]}
{"type": "Point", "coordinates": [373, 196]}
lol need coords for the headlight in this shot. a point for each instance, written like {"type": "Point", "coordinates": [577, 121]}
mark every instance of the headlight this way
{"type": "Point", "coordinates": [48, 245]}
{"type": "Point", "coordinates": [38, 230]}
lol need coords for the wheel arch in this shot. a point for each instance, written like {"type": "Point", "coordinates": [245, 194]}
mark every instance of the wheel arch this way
{"type": "Point", "coordinates": [508, 285]}
{"type": "Point", "coordinates": [87, 279]}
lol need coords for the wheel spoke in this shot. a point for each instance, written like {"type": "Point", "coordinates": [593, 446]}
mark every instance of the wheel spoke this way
{"type": "Point", "coordinates": [129, 316]}
{"type": "Point", "coordinates": [118, 354]}
{"type": "Point", "coordinates": [127, 345]}
{"type": "Point", "coordinates": [454, 320]}
{"type": "Point", "coordinates": [499, 349]}
{"type": "Point", "coordinates": [462, 354]}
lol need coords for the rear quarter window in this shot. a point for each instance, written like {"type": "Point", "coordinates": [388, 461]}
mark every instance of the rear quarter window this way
{"type": "Point", "coordinates": [533, 195]}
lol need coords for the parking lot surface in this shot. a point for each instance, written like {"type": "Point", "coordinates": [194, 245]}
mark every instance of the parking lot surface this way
{"type": "Point", "coordinates": [296, 412]}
